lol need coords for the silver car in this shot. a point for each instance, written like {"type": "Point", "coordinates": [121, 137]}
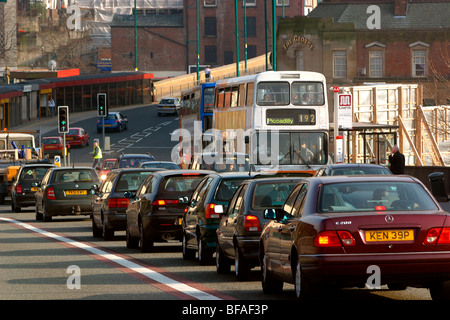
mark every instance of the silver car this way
{"type": "Point", "coordinates": [169, 105]}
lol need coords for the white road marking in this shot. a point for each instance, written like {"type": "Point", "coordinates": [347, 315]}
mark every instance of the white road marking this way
{"type": "Point", "coordinates": [144, 271]}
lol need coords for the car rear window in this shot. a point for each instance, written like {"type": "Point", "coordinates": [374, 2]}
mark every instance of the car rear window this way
{"type": "Point", "coordinates": [50, 141]}
{"type": "Point", "coordinates": [271, 194]}
{"type": "Point", "coordinates": [227, 188]}
{"type": "Point", "coordinates": [130, 181]}
{"type": "Point", "coordinates": [73, 132]}
{"type": "Point", "coordinates": [167, 101]}
{"type": "Point", "coordinates": [357, 171]}
{"type": "Point", "coordinates": [133, 162]}
{"type": "Point", "coordinates": [33, 173]}
{"type": "Point", "coordinates": [374, 196]}
{"type": "Point", "coordinates": [110, 117]}
{"type": "Point", "coordinates": [74, 176]}
{"type": "Point", "coordinates": [182, 183]}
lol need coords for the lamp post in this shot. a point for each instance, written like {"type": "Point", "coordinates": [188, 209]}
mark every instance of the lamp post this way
{"type": "Point", "coordinates": [245, 34]}
{"type": "Point", "coordinates": [198, 47]}
{"type": "Point", "coordinates": [237, 36]}
{"type": "Point", "coordinates": [274, 35]}
{"type": "Point", "coordinates": [135, 38]}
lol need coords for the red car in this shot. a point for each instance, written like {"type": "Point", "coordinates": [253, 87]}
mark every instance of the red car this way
{"type": "Point", "coordinates": [349, 231]}
{"type": "Point", "coordinates": [52, 146]}
{"type": "Point", "coordinates": [107, 166]}
{"type": "Point", "coordinates": [77, 137]}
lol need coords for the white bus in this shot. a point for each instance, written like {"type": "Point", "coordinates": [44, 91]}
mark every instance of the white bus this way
{"type": "Point", "coordinates": [289, 105]}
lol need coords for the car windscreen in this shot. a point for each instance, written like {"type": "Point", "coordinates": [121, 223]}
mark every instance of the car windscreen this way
{"type": "Point", "coordinates": [130, 181]}
{"type": "Point", "coordinates": [33, 173]}
{"type": "Point", "coordinates": [226, 188]}
{"type": "Point", "coordinates": [374, 196]}
{"type": "Point", "coordinates": [74, 175]}
{"type": "Point", "coordinates": [271, 194]}
{"type": "Point", "coordinates": [358, 171]}
{"type": "Point", "coordinates": [182, 183]}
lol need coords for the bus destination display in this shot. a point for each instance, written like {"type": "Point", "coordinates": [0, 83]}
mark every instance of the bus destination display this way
{"type": "Point", "coordinates": [286, 117]}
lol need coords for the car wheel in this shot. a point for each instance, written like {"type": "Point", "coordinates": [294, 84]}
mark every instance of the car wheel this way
{"type": "Point", "coordinates": [107, 233]}
{"type": "Point", "coordinates": [132, 243]}
{"type": "Point", "coordinates": [300, 283]}
{"type": "Point", "coordinates": [223, 265]}
{"type": "Point", "coordinates": [204, 254]}
{"type": "Point", "coordinates": [96, 231]}
{"type": "Point", "coordinates": [45, 216]}
{"type": "Point", "coordinates": [269, 284]}
{"type": "Point", "coordinates": [440, 291]}
{"type": "Point", "coordinates": [242, 268]}
{"type": "Point", "coordinates": [188, 254]}
{"type": "Point", "coordinates": [15, 207]}
{"type": "Point", "coordinates": [38, 214]}
{"type": "Point", "coordinates": [145, 244]}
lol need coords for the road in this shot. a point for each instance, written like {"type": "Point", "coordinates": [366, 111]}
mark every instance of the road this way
{"type": "Point", "coordinates": [62, 260]}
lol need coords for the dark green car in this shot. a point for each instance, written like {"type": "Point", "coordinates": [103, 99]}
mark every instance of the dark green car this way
{"type": "Point", "coordinates": [201, 220]}
{"type": "Point", "coordinates": [65, 191]}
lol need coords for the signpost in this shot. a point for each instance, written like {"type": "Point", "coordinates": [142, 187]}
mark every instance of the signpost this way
{"type": "Point", "coordinates": [343, 119]}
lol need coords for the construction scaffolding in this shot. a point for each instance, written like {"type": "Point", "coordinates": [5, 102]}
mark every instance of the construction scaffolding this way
{"type": "Point", "coordinates": [418, 129]}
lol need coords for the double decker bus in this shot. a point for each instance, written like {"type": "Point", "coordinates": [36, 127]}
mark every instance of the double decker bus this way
{"type": "Point", "coordinates": [284, 114]}
{"type": "Point", "coordinates": [197, 105]}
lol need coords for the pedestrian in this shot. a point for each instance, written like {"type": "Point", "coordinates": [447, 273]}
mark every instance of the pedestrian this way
{"type": "Point", "coordinates": [51, 106]}
{"type": "Point", "coordinates": [96, 155]}
{"type": "Point", "coordinates": [207, 73]}
{"type": "Point", "coordinates": [397, 161]}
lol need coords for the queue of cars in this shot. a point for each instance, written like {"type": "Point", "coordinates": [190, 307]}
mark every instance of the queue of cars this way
{"type": "Point", "coordinates": [308, 231]}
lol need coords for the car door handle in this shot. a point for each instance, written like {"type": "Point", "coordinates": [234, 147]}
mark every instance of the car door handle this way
{"type": "Point", "coordinates": [280, 228]}
{"type": "Point", "coordinates": [292, 228]}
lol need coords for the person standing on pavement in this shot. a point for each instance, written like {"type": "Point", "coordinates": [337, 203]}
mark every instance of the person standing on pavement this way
{"type": "Point", "coordinates": [207, 73]}
{"type": "Point", "coordinates": [397, 161]}
{"type": "Point", "coordinates": [97, 154]}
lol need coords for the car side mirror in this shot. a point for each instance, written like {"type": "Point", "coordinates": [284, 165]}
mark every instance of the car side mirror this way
{"type": "Point", "coordinates": [36, 184]}
{"type": "Point", "coordinates": [270, 214]}
{"type": "Point", "coordinates": [128, 194]}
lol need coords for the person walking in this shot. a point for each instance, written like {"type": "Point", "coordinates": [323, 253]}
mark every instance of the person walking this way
{"type": "Point", "coordinates": [97, 154]}
{"type": "Point", "coordinates": [208, 73]}
{"type": "Point", "coordinates": [397, 161]}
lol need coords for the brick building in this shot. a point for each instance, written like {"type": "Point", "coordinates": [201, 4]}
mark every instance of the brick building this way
{"type": "Point", "coordinates": [167, 38]}
{"type": "Point", "coordinates": [353, 42]}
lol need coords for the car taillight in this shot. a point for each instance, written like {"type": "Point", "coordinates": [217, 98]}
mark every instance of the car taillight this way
{"type": "Point", "coordinates": [334, 239]}
{"type": "Point", "coordinates": [251, 223]}
{"type": "Point", "coordinates": [51, 194]}
{"type": "Point", "coordinates": [210, 213]}
{"type": "Point", "coordinates": [438, 235]}
{"type": "Point", "coordinates": [118, 203]}
{"type": "Point", "coordinates": [19, 188]}
{"type": "Point", "coordinates": [164, 202]}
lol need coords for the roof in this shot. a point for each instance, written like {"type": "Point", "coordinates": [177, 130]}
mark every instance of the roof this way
{"type": "Point", "coordinates": [418, 15]}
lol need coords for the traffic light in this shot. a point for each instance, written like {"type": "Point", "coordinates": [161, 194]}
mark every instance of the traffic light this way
{"type": "Point", "coordinates": [63, 119]}
{"type": "Point", "coordinates": [102, 105]}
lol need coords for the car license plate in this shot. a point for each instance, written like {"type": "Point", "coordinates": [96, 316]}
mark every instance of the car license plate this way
{"type": "Point", "coordinates": [76, 192]}
{"type": "Point", "coordinates": [34, 189]}
{"type": "Point", "coordinates": [389, 235]}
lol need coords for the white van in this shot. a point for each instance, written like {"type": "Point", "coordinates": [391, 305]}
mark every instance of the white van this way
{"type": "Point", "coordinates": [18, 139]}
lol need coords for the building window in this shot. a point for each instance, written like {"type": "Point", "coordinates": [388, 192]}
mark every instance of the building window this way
{"type": "Point", "coordinates": [376, 64]}
{"type": "Point", "coordinates": [340, 64]}
{"type": "Point", "coordinates": [210, 27]}
{"type": "Point", "coordinates": [210, 3]}
{"type": "Point", "coordinates": [228, 57]}
{"type": "Point", "coordinates": [419, 60]}
{"type": "Point", "coordinates": [251, 26]}
{"type": "Point", "coordinates": [210, 55]}
{"type": "Point", "coordinates": [280, 3]}
{"type": "Point", "coordinates": [250, 3]}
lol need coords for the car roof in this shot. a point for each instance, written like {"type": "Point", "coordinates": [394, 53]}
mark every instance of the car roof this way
{"type": "Point", "coordinates": [72, 168]}
{"type": "Point", "coordinates": [181, 172]}
{"type": "Point", "coordinates": [137, 169]}
{"type": "Point", "coordinates": [362, 178]}
{"type": "Point", "coordinates": [134, 155]}
{"type": "Point", "coordinates": [355, 165]}
{"type": "Point", "coordinates": [234, 174]}
{"type": "Point", "coordinates": [52, 137]}
{"type": "Point", "coordinates": [38, 165]}
{"type": "Point", "coordinates": [284, 179]}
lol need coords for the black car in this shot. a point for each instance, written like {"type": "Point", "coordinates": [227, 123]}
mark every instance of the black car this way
{"type": "Point", "coordinates": [240, 227]}
{"type": "Point", "coordinates": [347, 169]}
{"type": "Point", "coordinates": [110, 204]}
{"type": "Point", "coordinates": [22, 191]}
{"type": "Point", "coordinates": [132, 160]}
{"type": "Point", "coordinates": [156, 212]}
{"type": "Point", "coordinates": [201, 221]}
{"type": "Point", "coordinates": [65, 191]}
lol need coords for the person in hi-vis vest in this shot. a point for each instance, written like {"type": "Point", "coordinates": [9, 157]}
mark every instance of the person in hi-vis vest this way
{"type": "Point", "coordinates": [97, 154]}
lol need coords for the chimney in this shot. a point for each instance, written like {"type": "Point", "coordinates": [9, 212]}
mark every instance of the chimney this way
{"type": "Point", "coordinates": [400, 7]}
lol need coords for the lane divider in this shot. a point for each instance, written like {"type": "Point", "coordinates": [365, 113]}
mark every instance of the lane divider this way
{"type": "Point", "coordinates": [144, 273]}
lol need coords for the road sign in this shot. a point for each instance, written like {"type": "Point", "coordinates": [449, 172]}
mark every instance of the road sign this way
{"type": "Point", "coordinates": [345, 111]}
{"type": "Point", "coordinates": [102, 105]}
{"type": "Point", "coordinates": [335, 89]}
{"type": "Point", "coordinates": [63, 119]}
{"type": "Point", "coordinates": [57, 161]}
